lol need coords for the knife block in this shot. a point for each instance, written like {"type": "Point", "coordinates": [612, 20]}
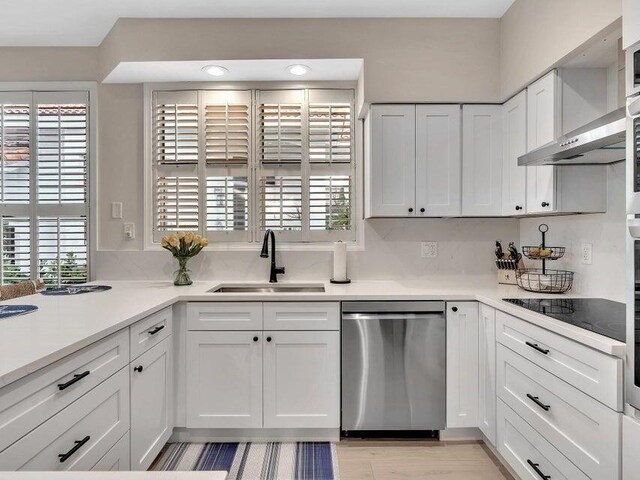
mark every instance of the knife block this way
{"type": "Point", "coordinates": [507, 270]}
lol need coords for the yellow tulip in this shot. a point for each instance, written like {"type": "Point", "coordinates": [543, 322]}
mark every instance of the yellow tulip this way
{"type": "Point", "coordinates": [204, 242]}
{"type": "Point", "coordinates": [173, 241]}
{"type": "Point", "coordinates": [164, 241]}
{"type": "Point", "coordinates": [181, 235]}
{"type": "Point", "coordinates": [188, 238]}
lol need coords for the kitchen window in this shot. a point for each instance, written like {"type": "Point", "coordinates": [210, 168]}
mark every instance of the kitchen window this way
{"type": "Point", "coordinates": [230, 164]}
{"type": "Point", "coordinates": [44, 204]}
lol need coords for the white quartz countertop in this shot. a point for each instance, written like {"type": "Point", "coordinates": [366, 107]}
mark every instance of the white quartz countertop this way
{"type": "Point", "coordinates": [64, 324]}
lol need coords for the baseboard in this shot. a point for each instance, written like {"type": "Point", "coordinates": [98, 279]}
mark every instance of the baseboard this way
{"type": "Point", "coordinates": [461, 434]}
{"type": "Point", "coordinates": [502, 461]}
{"type": "Point", "coordinates": [199, 435]}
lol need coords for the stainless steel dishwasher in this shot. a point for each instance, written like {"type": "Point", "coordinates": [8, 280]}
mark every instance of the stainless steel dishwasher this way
{"type": "Point", "coordinates": [393, 367]}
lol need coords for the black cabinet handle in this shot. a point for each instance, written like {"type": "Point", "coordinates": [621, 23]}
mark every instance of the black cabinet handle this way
{"type": "Point", "coordinates": [155, 330]}
{"type": "Point", "coordinates": [79, 443]}
{"type": "Point", "coordinates": [268, 339]}
{"type": "Point", "coordinates": [454, 309]}
{"type": "Point", "coordinates": [518, 207]}
{"type": "Point", "coordinates": [138, 369]}
{"type": "Point", "coordinates": [537, 347]}
{"type": "Point", "coordinates": [411, 210]}
{"type": "Point", "coordinates": [536, 468]}
{"type": "Point", "coordinates": [422, 210]}
{"type": "Point", "coordinates": [76, 378]}
{"type": "Point", "coordinates": [537, 401]}
{"type": "Point", "coordinates": [544, 204]}
{"type": "Point", "coordinates": [255, 339]}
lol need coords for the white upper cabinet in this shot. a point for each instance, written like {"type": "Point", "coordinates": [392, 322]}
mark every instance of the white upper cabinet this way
{"type": "Point", "coordinates": [543, 127]}
{"type": "Point", "coordinates": [630, 22]}
{"type": "Point", "coordinates": [481, 160]}
{"type": "Point", "coordinates": [514, 144]}
{"type": "Point", "coordinates": [392, 166]}
{"type": "Point", "coordinates": [438, 160]}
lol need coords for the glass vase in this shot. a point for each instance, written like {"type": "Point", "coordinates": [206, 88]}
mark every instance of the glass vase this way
{"type": "Point", "coordinates": [182, 274]}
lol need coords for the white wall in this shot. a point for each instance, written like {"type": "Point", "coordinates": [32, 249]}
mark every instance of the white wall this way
{"type": "Point", "coordinates": [606, 276]}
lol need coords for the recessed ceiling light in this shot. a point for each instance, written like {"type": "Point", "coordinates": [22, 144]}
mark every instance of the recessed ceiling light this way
{"type": "Point", "coordinates": [215, 70]}
{"type": "Point", "coordinates": [298, 70]}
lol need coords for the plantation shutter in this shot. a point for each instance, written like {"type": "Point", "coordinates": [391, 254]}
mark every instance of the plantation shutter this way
{"type": "Point", "coordinates": [176, 133]}
{"type": "Point", "coordinates": [16, 249]}
{"type": "Point", "coordinates": [331, 164]}
{"type": "Point", "coordinates": [62, 250]}
{"type": "Point", "coordinates": [227, 143]}
{"type": "Point", "coordinates": [15, 147]}
{"type": "Point", "coordinates": [282, 158]}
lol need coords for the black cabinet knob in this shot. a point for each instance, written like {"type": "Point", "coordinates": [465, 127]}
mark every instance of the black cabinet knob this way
{"type": "Point", "coordinates": [268, 339]}
{"type": "Point", "coordinates": [422, 210]}
{"type": "Point", "coordinates": [139, 368]}
{"type": "Point", "coordinates": [255, 339]}
{"type": "Point", "coordinates": [545, 204]}
{"type": "Point", "coordinates": [411, 210]}
{"type": "Point", "coordinates": [518, 207]}
{"type": "Point", "coordinates": [454, 309]}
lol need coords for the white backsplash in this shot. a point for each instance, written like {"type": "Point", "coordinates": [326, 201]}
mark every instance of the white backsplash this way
{"type": "Point", "coordinates": [605, 277]}
{"type": "Point", "coordinates": [392, 251]}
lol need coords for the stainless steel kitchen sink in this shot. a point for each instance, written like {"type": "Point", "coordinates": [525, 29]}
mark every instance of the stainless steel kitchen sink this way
{"type": "Point", "coordinates": [268, 288]}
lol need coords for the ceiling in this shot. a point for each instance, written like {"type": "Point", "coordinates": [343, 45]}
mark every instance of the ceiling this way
{"type": "Point", "coordinates": [86, 22]}
{"type": "Point", "coordinates": [342, 69]}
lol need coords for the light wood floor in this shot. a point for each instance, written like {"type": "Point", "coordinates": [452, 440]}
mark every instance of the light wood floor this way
{"type": "Point", "coordinates": [417, 460]}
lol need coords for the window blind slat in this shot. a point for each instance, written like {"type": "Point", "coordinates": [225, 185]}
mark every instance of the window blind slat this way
{"type": "Point", "coordinates": [15, 150]}
{"type": "Point", "coordinates": [177, 203]}
{"type": "Point", "coordinates": [330, 133]}
{"type": "Point", "coordinates": [15, 249]}
{"type": "Point", "coordinates": [227, 133]}
{"type": "Point", "coordinates": [175, 127]}
{"type": "Point", "coordinates": [280, 133]}
{"type": "Point", "coordinates": [62, 250]}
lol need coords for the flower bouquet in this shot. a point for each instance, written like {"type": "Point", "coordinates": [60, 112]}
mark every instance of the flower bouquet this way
{"type": "Point", "coordinates": [183, 246]}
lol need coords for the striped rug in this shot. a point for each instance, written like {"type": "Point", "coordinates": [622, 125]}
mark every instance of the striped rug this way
{"type": "Point", "coordinates": [254, 461]}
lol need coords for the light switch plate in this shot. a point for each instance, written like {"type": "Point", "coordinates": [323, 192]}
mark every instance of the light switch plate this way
{"type": "Point", "coordinates": [429, 249]}
{"type": "Point", "coordinates": [587, 253]}
{"type": "Point", "coordinates": [116, 209]}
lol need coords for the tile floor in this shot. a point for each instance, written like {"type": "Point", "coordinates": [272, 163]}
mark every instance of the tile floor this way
{"type": "Point", "coordinates": [418, 460]}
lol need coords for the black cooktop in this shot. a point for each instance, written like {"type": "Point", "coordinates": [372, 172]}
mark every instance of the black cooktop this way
{"type": "Point", "coordinates": [605, 317]}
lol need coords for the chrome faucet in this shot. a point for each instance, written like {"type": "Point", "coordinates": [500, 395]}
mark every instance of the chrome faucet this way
{"type": "Point", "coordinates": [275, 271]}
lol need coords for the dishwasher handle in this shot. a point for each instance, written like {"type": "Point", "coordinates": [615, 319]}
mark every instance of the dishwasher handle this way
{"type": "Point", "coordinates": [401, 316]}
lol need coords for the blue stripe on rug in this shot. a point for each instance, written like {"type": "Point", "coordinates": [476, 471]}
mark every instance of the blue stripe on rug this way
{"type": "Point", "coordinates": [216, 456]}
{"type": "Point", "coordinates": [313, 461]}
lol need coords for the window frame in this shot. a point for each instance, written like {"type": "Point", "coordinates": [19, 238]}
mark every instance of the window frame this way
{"type": "Point", "coordinates": [90, 207]}
{"type": "Point", "coordinates": [238, 240]}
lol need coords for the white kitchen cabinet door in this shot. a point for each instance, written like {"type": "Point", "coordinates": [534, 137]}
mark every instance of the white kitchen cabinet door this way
{"type": "Point", "coordinates": [392, 169]}
{"type": "Point", "coordinates": [151, 403]}
{"type": "Point", "coordinates": [462, 364]}
{"type": "Point", "coordinates": [630, 23]}
{"type": "Point", "coordinates": [117, 459]}
{"type": "Point", "coordinates": [224, 379]}
{"type": "Point", "coordinates": [630, 442]}
{"type": "Point", "coordinates": [481, 160]}
{"type": "Point", "coordinates": [438, 160]}
{"type": "Point", "coordinates": [543, 127]}
{"type": "Point", "coordinates": [487, 372]}
{"type": "Point", "coordinates": [302, 379]}
{"type": "Point", "coordinates": [514, 144]}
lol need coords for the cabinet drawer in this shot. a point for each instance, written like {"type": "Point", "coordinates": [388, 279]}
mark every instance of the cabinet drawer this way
{"type": "Point", "coordinates": [84, 431]}
{"type": "Point", "coordinates": [526, 450]}
{"type": "Point", "coordinates": [301, 316]}
{"type": "Point", "coordinates": [32, 400]}
{"type": "Point", "coordinates": [224, 316]}
{"type": "Point", "coordinates": [150, 331]}
{"type": "Point", "coordinates": [581, 428]}
{"type": "Point", "coordinates": [595, 373]}
{"type": "Point", "coordinates": [117, 459]}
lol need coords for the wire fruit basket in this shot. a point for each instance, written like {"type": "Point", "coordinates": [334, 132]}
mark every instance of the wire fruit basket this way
{"type": "Point", "coordinates": [544, 281]}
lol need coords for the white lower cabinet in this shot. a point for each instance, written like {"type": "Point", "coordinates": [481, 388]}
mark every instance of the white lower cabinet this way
{"type": "Point", "coordinates": [151, 403]}
{"type": "Point", "coordinates": [528, 453]}
{"type": "Point", "coordinates": [302, 379]}
{"type": "Point", "coordinates": [487, 372]}
{"type": "Point", "coordinates": [462, 364]}
{"type": "Point", "coordinates": [117, 459]}
{"type": "Point", "coordinates": [630, 442]}
{"type": "Point", "coordinates": [224, 379]}
{"type": "Point", "coordinates": [77, 437]}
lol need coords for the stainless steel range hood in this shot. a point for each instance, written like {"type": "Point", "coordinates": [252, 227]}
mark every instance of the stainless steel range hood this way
{"type": "Point", "coordinates": [598, 142]}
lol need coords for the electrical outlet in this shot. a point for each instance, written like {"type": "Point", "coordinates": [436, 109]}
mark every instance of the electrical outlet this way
{"type": "Point", "coordinates": [129, 230]}
{"type": "Point", "coordinates": [587, 253]}
{"type": "Point", "coordinates": [429, 249]}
